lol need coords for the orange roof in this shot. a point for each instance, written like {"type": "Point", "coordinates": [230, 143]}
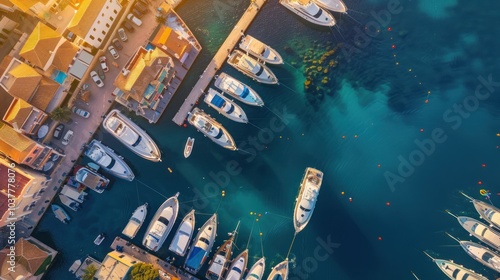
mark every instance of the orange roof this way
{"type": "Point", "coordinates": [25, 5]}
{"type": "Point", "coordinates": [22, 80]}
{"type": "Point", "coordinates": [44, 94]}
{"type": "Point", "coordinates": [29, 259]}
{"type": "Point", "coordinates": [64, 56]}
{"type": "Point", "coordinates": [15, 145]}
{"type": "Point", "coordinates": [40, 45]}
{"type": "Point", "coordinates": [85, 16]}
{"type": "Point", "coordinates": [18, 112]}
{"type": "Point", "coordinates": [175, 44]}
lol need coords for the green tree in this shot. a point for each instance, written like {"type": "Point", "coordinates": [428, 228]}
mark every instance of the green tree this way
{"type": "Point", "coordinates": [89, 272]}
{"type": "Point", "coordinates": [144, 271]}
{"type": "Point", "coordinates": [160, 19]}
{"type": "Point", "coordinates": [61, 114]}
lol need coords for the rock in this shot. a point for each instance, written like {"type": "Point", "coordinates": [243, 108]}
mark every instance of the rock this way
{"type": "Point", "coordinates": [325, 80]}
{"type": "Point", "coordinates": [320, 68]}
{"type": "Point", "coordinates": [325, 71]}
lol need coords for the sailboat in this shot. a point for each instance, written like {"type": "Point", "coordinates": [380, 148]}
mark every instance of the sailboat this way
{"type": "Point", "coordinates": [280, 271]}
{"type": "Point", "coordinates": [455, 271]}
{"type": "Point", "coordinates": [257, 270]}
{"type": "Point", "coordinates": [238, 266]}
{"type": "Point", "coordinates": [218, 265]}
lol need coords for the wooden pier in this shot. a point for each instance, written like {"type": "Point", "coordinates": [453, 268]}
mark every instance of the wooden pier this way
{"type": "Point", "coordinates": [217, 61]}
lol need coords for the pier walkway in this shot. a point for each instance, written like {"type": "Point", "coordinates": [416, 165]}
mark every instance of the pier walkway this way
{"type": "Point", "coordinates": [217, 61]}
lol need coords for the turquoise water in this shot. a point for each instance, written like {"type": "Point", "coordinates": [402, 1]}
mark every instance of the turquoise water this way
{"type": "Point", "coordinates": [59, 76]}
{"type": "Point", "coordinates": [370, 119]}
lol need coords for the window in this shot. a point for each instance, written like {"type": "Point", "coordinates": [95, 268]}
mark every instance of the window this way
{"type": "Point", "coordinates": [107, 25]}
{"type": "Point", "coordinates": [107, 7]}
{"type": "Point", "coordinates": [94, 29]}
{"type": "Point", "coordinates": [115, 12]}
{"type": "Point", "coordinates": [111, 18]}
{"type": "Point", "coordinates": [102, 14]}
{"type": "Point", "coordinates": [91, 37]}
{"type": "Point", "coordinates": [99, 39]}
{"type": "Point", "coordinates": [103, 32]}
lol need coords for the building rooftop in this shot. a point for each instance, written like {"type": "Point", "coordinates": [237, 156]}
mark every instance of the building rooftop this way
{"type": "Point", "coordinates": [115, 266]}
{"type": "Point", "coordinates": [64, 55]}
{"type": "Point", "coordinates": [5, 101]}
{"type": "Point", "coordinates": [13, 144]}
{"type": "Point", "coordinates": [22, 180]}
{"type": "Point", "coordinates": [171, 42]}
{"type": "Point", "coordinates": [20, 79]}
{"type": "Point", "coordinates": [19, 111]}
{"type": "Point", "coordinates": [25, 5]}
{"type": "Point", "coordinates": [85, 16]}
{"type": "Point", "coordinates": [46, 91]}
{"type": "Point", "coordinates": [40, 45]}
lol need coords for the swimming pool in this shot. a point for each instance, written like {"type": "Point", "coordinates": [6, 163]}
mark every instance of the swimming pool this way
{"type": "Point", "coordinates": [59, 76]}
{"type": "Point", "coordinates": [150, 47]}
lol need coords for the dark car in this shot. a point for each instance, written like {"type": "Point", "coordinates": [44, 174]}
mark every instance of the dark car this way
{"type": "Point", "coordinates": [58, 131]}
{"type": "Point", "coordinates": [127, 25]}
{"type": "Point", "coordinates": [137, 13]}
{"type": "Point", "coordinates": [141, 7]}
{"type": "Point", "coordinates": [117, 44]}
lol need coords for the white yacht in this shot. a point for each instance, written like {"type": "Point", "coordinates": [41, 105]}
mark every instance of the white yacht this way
{"type": "Point", "coordinates": [218, 265]}
{"type": "Point", "coordinates": [480, 231]}
{"type": "Point", "coordinates": [257, 270]}
{"type": "Point", "coordinates": [73, 205]}
{"type": "Point", "coordinates": [260, 50]}
{"type": "Point", "coordinates": [183, 235]}
{"type": "Point", "coordinates": [309, 11]}
{"type": "Point", "coordinates": [332, 5]}
{"type": "Point", "coordinates": [225, 106]}
{"type": "Point", "coordinates": [238, 266]}
{"type": "Point", "coordinates": [161, 224]}
{"type": "Point", "coordinates": [482, 254]}
{"type": "Point", "coordinates": [488, 212]}
{"type": "Point", "coordinates": [131, 135]}
{"type": "Point", "coordinates": [188, 148]}
{"type": "Point", "coordinates": [306, 199]}
{"type": "Point", "coordinates": [251, 67]}
{"type": "Point", "coordinates": [455, 271]}
{"type": "Point", "coordinates": [91, 179]}
{"type": "Point", "coordinates": [109, 160]}
{"type": "Point", "coordinates": [211, 128]}
{"type": "Point", "coordinates": [136, 221]}
{"type": "Point", "coordinates": [202, 245]}
{"type": "Point", "coordinates": [279, 272]}
{"type": "Point", "coordinates": [238, 90]}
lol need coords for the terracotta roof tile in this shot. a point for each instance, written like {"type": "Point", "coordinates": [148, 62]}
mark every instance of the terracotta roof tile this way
{"type": "Point", "coordinates": [40, 44]}
{"type": "Point", "coordinates": [85, 17]}
{"type": "Point", "coordinates": [44, 94]}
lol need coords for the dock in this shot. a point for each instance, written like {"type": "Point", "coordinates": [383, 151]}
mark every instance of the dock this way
{"type": "Point", "coordinates": [86, 263]}
{"type": "Point", "coordinates": [132, 250]}
{"type": "Point", "coordinates": [217, 61]}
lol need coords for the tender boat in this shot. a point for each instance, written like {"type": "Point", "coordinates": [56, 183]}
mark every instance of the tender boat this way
{"type": "Point", "coordinates": [251, 67]}
{"type": "Point", "coordinates": [131, 135]}
{"type": "Point", "coordinates": [74, 194]}
{"type": "Point", "coordinates": [98, 240]}
{"type": "Point", "coordinates": [332, 5]}
{"type": "Point", "coordinates": [189, 147]}
{"type": "Point", "coordinates": [211, 128]}
{"type": "Point", "coordinates": [202, 245]}
{"type": "Point", "coordinates": [136, 221]}
{"type": "Point", "coordinates": [73, 205]}
{"type": "Point", "coordinates": [218, 265]}
{"type": "Point", "coordinates": [75, 266]}
{"type": "Point", "coordinates": [161, 224]}
{"type": "Point", "coordinates": [279, 272]}
{"type": "Point", "coordinates": [60, 214]}
{"type": "Point", "coordinates": [238, 90]}
{"type": "Point", "coordinates": [309, 11]}
{"type": "Point", "coordinates": [306, 199]}
{"type": "Point", "coordinates": [480, 231]}
{"type": "Point", "coordinates": [260, 50]}
{"type": "Point", "coordinates": [257, 270]}
{"type": "Point", "coordinates": [225, 106]}
{"type": "Point", "coordinates": [455, 271]}
{"type": "Point", "coordinates": [238, 266]}
{"type": "Point", "coordinates": [183, 235]}
{"type": "Point", "coordinates": [109, 160]}
{"type": "Point", "coordinates": [91, 179]}
{"type": "Point", "coordinates": [488, 212]}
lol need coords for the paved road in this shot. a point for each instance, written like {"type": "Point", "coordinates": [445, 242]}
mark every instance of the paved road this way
{"type": "Point", "coordinates": [216, 62]}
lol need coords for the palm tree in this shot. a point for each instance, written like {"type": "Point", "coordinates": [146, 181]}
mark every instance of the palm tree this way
{"type": "Point", "coordinates": [144, 271]}
{"type": "Point", "coordinates": [61, 114]}
{"type": "Point", "coordinates": [89, 272]}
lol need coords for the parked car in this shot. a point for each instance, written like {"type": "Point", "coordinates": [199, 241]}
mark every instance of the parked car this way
{"type": "Point", "coordinates": [104, 66]}
{"type": "Point", "coordinates": [113, 52]}
{"type": "Point", "coordinates": [137, 13]}
{"type": "Point", "coordinates": [96, 79]}
{"type": "Point", "coordinates": [67, 137]}
{"type": "Point", "coordinates": [128, 26]}
{"type": "Point", "coordinates": [58, 131]}
{"type": "Point", "coordinates": [134, 19]}
{"type": "Point", "coordinates": [141, 7]}
{"type": "Point", "coordinates": [117, 44]}
{"type": "Point", "coordinates": [80, 112]}
{"type": "Point", "coordinates": [122, 35]}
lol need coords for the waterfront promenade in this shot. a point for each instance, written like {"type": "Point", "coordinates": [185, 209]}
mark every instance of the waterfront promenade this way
{"type": "Point", "coordinates": [217, 61]}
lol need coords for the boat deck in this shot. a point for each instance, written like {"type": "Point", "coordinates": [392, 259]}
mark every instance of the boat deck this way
{"type": "Point", "coordinates": [146, 257]}
{"type": "Point", "coordinates": [87, 262]}
{"type": "Point", "coordinates": [217, 61]}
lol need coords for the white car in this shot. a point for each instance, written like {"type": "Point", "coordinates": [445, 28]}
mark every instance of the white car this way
{"type": "Point", "coordinates": [122, 35]}
{"type": "Point", "coordinates": [96, 79]}
{"type": "Point", "coordinates": [104, 66]}
{"type": "Point", "coordinates": [80, 112]}
{"type": "Point", "coordinates": [113, 52]}
{"type": "Point", "coordinates": [134, 19]}
{"type": "Point", "coordinates": [67, 137]}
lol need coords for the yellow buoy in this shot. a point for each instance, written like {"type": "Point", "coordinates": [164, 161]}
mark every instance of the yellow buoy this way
{"type": "Point", "coordinates": [169, 170]}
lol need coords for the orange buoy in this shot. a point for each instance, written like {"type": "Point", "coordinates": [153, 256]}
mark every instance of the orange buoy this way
{"type": "Point", "coordinates": [393, 46]}
{"type": "Point", "coordinates": [342, 193]}
{"type": "Point", "coordinates": [389, 29]}
{"type": "Point", "coordinates": [479, 182]}
{"type": "Point", "coordinates": [388, 203]}
{"type": "Point", "coordinates": [380, 238]}
{"type": "Point", "coordinates": [483, 165]}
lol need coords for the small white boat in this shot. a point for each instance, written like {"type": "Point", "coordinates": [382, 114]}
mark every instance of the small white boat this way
{"type": "Point", "coordinates": [306, 199]}
{"type": "Point", "coordinates": [98, 240]}
{"type": "Point", "coordinates": [91, 179]}
{"type": "Point", "coordinates": [60, 214]}
{"type": "Point", "coordinates": [309, 11]}
{"type": "Point", "coordinates": [73, 205]}
{"type": "Point", "coordinates": [332, 5]}
{"type": "Point", "coordinates": [161, 224]}
{"type": "Point", "coordinates": [238, 266]}
{"type": "Point", "coordinates": [211, 128]}
{"type": "Point", "coordinates": [189, 147]}
{"type": "Point", "coordinates": [238, 90]}
{"type": "Point", "coordinates": [109, 160]}
{"type": "Point", "coordinates": [183, 235]}
{"type": "Point", "coordinates": [251, 67]}
{"type": "Point", "coordinates": [257, 270]}
{"type": "Point", "coordinates": [260, 50]}
{"type": "Point", "coordinates": [75, 266]}
{"type": "Point", "coordinates": [222, 257]}
{"type": "Point", "coordinates": [225, 106]}
{"type": "Point", "coordinates": [280, 271]}
{"type": "Point", "coordinates": [455, 271]}
{"type": "Point", "coordinates": [202, 245]}
{"type": "Point", "coordinates": [488, 212]}
{"type": "Point", "coordinates": [131, 135]}
{"type": "Point", "coordinates": [136, 221]}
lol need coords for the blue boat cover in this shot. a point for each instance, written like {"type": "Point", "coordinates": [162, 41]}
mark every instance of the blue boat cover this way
{"type": "Point", "coordinates": [230, 109]}
{"type": "Point", "coordinates": [245, 92]}
{"type": "Point", "coordinates": [217, 101]}
{"type": "Point", "coordinates": [195, 258]}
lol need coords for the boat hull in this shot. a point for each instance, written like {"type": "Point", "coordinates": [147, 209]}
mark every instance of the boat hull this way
{"type": "Point", "coordinates": [257, 270]}
{"type": "Point", "coordinates": [231, 86]}
{"type": "Point", "coordinates": [279, 272]}
{"type": "Point", "coordinates": [477, 252]}
{"type": "Point", "coordinates": [198, 115]}
{"type": "Point", "coordinates": [455, 271]}
{"type": "Point", "coordinates": [308, 192]}
{"type": "Point", "coordinates": [237, 114]}
{"type": "Point", "coordinates": [328, 19]}
{"type": "Point", "coordinates": [253, 46]}
{"type": "Point", "coordinates": [199, 250]}
{"type": "Point", "coordinates": [188, 148]}
{"type": "Point", "coordinates": [127, 173]}
{"type": "Point", "coordinates": [136, 221]}
{"type": "Point", "coordinates": [158, 241]}
{"type": "Point", "coordinates": [237, 55]}
{"type": "Point", "coordinates": [332, 5]}
{"type": "Point", "coordinates": [183, 235]}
